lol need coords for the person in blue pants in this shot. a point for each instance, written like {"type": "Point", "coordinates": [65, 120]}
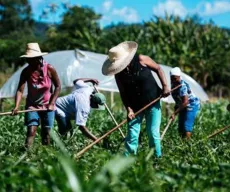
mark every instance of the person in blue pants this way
{"type": "Point", "coordinates": [187, 104]}
{"type": "Point", "coordinates": [138, 87]}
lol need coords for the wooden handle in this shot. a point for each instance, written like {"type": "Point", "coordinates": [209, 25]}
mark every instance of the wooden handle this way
{"type": "Point", "coordinates": [166, 128]}
{"type": "Point", "coordinates": [110, 113]}
{"type": "Point", "coordinates": [218, 131]}
{"type": "Point", "coordinates": [118, 126]}
{"type": "Point", "coordinates": [23, 111]}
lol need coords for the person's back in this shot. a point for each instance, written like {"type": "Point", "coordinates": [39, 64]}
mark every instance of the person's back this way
{"type": "Point", "coordinates": [77, 105]}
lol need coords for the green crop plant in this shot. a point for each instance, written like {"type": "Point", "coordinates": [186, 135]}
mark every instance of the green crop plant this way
{"type": "Point", "coordinates": [200, 164]}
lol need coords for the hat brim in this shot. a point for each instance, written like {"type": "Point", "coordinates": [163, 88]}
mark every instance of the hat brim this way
{"type": "Point", "coordinates": [111, 68]}
{"type": "Point", "coordinates": [99, 107]}
{"type": "Point", "coordinates": [34, 55]}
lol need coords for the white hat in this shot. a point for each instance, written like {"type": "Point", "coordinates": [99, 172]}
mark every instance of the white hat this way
{"type": "Point", "coordinates": [119, 57]}
{"type": "Point", "coordinates": [175, 71]}
{"type": "Point", "coordinates": [33, 50]}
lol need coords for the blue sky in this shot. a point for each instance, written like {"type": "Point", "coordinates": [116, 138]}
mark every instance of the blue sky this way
{"type": "Point", "coordinates": [132, 11]}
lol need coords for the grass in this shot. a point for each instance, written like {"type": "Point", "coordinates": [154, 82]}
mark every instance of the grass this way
{"type": "Point", "coordinates": [197, 165]}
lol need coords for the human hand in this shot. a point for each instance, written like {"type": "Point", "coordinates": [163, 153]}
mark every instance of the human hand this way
{"type": "Point", "coordinates": [51, 107]}
{"type": "Point", "coordinates": [165, 91]}
{"type": "Point", "coordinates": [172, 117]}
{"type": "Point", "coordinates": [14, 111]}
{"type": "Point", "coordinates": [95, 81]}
{"type": "Point", "coordinates": [131, 114]}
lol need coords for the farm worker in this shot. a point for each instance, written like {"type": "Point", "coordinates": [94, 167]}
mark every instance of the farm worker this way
{"type": "Point", "coordinates": [76, 105]}
{"type": "Point", "coordinates": [39, 76]}
{"type": "Point", "coordinates": [187, 104]}
{"type": "Point", "coordinates": [137, 86]}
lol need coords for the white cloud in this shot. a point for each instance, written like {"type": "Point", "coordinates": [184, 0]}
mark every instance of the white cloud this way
{"type": "Point", "coordinates": [172, 7]}
{"type": "Point", "coordinates": [107, 5]}
{"type": "Point", "coordinates": [127, 14]}
{"type": "Point", "coordinates": [175, 7]}
{"type": "Point", "coordinates": [215, 8]}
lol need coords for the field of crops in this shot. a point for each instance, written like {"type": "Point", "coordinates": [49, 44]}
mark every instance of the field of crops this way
{"type": "Point", "coordinates": [197, 165]}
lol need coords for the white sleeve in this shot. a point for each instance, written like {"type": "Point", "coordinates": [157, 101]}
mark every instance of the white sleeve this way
{"type": "Point", "coordinates": [81, 117]}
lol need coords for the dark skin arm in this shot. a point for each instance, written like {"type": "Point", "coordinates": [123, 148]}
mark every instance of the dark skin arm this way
{"type": "Point", "coordinates": [146, 60]}
{"type": "Point", "coordinates": [86, 80]}
{"type": "Point", "coordinates": [20, 89]}
{"type": "Point", "coordinates": [181, 107]}
{"type": "Point", "coordinates": [124, 98]}
{"type": "Point", "coordinates": [57, 84]}
{"type": "Point", "coordinates": [87, 133]}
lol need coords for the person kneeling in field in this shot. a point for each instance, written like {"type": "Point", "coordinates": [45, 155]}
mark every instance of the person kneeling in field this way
{"type": "Point", "coordinates": [76, 105]}
{"type": "Point", "coordinates": [187, 104]}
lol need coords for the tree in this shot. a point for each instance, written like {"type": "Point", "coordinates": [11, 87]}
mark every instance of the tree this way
{"type": "Point", "coordinates": [15, 16]}
{"type": "Point", "coordinates": [16, 29]}
{"type": "Point", "coordinates": [79, 29]}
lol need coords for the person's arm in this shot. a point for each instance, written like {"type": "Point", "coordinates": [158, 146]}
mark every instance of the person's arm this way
{"type": "Point", "coordinates": [57, 84]}
{"type": "Point", "coordinates": [20, 89]}
{"type": "Point", "coordinates": [124, 98]}
{"type": "Point", "coordinates": [87, 133]}
{"type": "Point", "coordinates": [181, 107]}
{"type": "Point", "coordinates": [86, 80]}
{"type": "Point", "coordinates": [146, 60]}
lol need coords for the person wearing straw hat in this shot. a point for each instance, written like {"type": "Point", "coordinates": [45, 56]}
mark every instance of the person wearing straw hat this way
{"type": "Point", "coordinates": [76, 105]}
{"type": "Point", "coordinates": [39, 76]}
{"type": "Point", "coordinates": [187, 104]}
{"type": "Point", "coordinates": [137, 86]}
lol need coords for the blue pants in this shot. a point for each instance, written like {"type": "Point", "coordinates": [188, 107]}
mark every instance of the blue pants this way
{"type": "Point", "coordinates": [187, 118]}
{"type": "Point", "coordinates": [64, 124]}
{"type": "Point", "coordinates": [33, 118]}
{"type": "Point", "coordinates": [153, 121]}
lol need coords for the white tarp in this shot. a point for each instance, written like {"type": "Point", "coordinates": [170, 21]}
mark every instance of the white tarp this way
{"type": "Point", "coordinates": [73, 64]}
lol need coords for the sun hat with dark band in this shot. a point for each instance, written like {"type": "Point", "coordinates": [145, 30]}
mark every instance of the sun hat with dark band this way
{"type": "Point", "coordinates": [33, 50]}
{"type": "Point", "coordinates": [119, 57]}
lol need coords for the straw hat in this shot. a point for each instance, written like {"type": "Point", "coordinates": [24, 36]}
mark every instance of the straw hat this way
{"type": "Point", "coordinates": [33, 50]}
{"type": "Point", "coordinates": [119, 57]}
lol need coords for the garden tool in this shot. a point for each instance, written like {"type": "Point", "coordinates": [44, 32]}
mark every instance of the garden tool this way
{"type": "Point", "coordinates": [119, 125]}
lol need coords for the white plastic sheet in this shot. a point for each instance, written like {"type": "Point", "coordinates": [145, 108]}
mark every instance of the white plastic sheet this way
{"type": "Point", "coordinates": [73, 64]}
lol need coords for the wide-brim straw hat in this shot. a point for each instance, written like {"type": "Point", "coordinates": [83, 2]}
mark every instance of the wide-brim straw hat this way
{"type": "Point", "coordinates": [119, 57]}
{"type": "Point", "coordinates": [33, 50]}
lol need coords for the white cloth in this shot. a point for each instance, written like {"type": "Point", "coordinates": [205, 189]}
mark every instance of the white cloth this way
{"type": "Point", "coordinates": [77, 104]}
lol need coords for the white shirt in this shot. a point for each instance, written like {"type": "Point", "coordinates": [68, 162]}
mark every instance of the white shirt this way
{"type": "Point", "coordinates": [77, 104]}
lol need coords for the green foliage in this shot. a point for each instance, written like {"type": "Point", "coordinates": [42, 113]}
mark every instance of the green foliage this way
{"type": "Point", "coordinates": [78, 29]}
{"type": "Point", "coordinates": [195, 165]}
{"type": "Point", "coordinates": [16, 26]}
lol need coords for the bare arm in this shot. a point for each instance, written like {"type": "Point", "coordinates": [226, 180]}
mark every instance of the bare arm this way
{"type": "Point", "coordinates": [20, 89]}
{"type": "Point", "coordinates": [146, 60]}
{"type": "Point", "coordinates": [181, 107]}
{"type": "Point", "coordinates": [57, 84]}
{"type": "Point", "coordinates": [94, 81]}
{"type": "Point", "coordinates": [87, 133]}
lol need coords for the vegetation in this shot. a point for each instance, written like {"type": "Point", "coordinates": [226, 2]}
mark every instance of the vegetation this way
{"type": "Point", "coordinates": [201, 50]}
{"type": "Point", "coordinates": [197, 165]}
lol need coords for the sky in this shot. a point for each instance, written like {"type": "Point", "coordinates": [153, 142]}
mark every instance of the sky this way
{"type": "Point", "coordinates": [134, 11]}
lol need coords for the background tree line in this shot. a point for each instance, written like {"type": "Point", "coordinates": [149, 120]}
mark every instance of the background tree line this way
{"type": "Point", "coordinates": [201, 50]}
